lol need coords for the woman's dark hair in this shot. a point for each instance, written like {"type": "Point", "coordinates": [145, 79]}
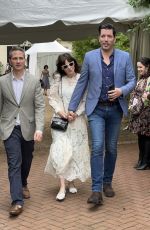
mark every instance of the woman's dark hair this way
{"type": "Point", "coordinates": [146, 62]}
{"type": "Point", "coordinates": [107, 27]}
{"type": "Point", "coordinates": [61, 61]}
{"type": "Point", "coordinates": [45, 66]}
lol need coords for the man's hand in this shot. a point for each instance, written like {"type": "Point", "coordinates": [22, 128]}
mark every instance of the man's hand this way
{"type": "Point", "coordinates": [72, 116]}
{"type": "Point", "coordinates": [38, 135]}
{"type": "Point", "coordinates": [114, 94]}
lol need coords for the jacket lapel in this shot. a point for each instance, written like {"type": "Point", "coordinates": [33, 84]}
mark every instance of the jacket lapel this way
{"type": "Point", "coordinates": [116, 59]}
{"type": "Point", "coordinates": [98, 58]}
{"type": "Point", "coordinates": [25, 86]}
{"type": "Point", "coordinates": [10, 86]}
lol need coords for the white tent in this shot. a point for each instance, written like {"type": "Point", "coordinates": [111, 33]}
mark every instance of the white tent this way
{"type": "Point", "coordinates": [43, 21]}
{"type": "Point", "coordinates": [44, 54]}
{"type": "Point", "coordinates": [47, 20]}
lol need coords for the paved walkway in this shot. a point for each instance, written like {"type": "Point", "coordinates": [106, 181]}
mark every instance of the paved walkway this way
{"type": "Point", "coordinates": [129, 209]}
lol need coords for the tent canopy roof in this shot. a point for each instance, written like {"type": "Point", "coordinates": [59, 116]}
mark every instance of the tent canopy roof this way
{"type": "Point", "coordinates": [47, 47]}
{"type": "Point", "coordinates": [45, 12]}
{"type": "Point", "coordinates": [46, 20]}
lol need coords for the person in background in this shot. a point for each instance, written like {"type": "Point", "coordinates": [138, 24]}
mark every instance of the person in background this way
{"type": "Point", "coordinates": [139, 123]}
{"type": "Point", "coordinates": [21, 123]}
{"type": "Point", "coordinates": [108, 76]}
{"type": "Point", "coordinates": [45, 79]}
{"type": "Point", "coordinates": [69, 152]}
{"type": "Point", "coordinates": [8, 68]}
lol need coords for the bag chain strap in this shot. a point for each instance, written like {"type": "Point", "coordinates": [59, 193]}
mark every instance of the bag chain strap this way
{"type": "Point", "coordinates": [61, 96]}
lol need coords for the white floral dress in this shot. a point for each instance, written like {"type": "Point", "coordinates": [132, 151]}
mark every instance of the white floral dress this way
{"type": "Point", "coordinates": [69, 152]}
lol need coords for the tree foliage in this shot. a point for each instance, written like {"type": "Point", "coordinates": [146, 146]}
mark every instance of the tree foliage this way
{"type": "Point", "coordinates": [139, 3]}
{"type": "Point", "coordinates": [122, 42]}
{"type": "Point", "coordinates": [145, 22]}
{"type": "Point", "coordinates": [81, 47]}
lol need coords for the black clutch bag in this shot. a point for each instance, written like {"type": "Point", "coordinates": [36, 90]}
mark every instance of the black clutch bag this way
{"type": "Point", "coordinates": [42, 83]}
{"type": "Point", "coordinates": [59, 123]}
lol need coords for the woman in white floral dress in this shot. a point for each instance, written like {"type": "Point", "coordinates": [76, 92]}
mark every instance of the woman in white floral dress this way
{"type": "Point", "coordinates": [69, 157]}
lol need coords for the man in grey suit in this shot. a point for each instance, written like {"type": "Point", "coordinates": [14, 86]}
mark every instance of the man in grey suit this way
{"type": "Point", "coordinates": [108, 76]}
{"type": "Point", "coordinates": [21, 123]}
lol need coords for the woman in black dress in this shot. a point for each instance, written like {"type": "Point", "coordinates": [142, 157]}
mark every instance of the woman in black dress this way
{"type": "Point", "coordinates": [140, 113]}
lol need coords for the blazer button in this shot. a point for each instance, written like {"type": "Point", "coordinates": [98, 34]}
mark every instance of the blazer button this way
{"type": "Point", "coordinates": [15, 117]}
{"type": "Point", "coordinates": [18, 106]}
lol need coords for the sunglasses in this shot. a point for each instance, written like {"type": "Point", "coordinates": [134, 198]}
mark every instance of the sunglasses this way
{"type": "Point", "coordinates": [67, 65]}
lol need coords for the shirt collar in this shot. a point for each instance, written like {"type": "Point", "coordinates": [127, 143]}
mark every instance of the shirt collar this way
{"type": "Point", "coordinates": [22, 77]}
{"type": "Point", "coordinates": [112, 55]}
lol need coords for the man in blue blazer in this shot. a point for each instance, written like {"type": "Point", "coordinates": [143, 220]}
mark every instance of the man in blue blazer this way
{"type": "Point", "coordinates": [108, 77]}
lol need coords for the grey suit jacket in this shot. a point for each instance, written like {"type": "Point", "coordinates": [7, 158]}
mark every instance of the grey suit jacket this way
{"type": "Point", "coordinates": [30, 109]}
{"type": "Point", "coordinates": [91, 78]}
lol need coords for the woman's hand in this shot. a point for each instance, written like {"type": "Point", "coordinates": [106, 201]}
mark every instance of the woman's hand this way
{"type": "Point", "coordinates": [148, 96]}
{"type": "Point", "coordinates": [63, 114]}
{"type": "Point", "coordinates": [145, 96]}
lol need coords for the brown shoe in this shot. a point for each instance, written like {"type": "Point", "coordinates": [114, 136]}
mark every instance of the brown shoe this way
{"type": "Point", "coordinates": [26, 192]}
{"type": "Point", "coordinates": [95, 198]}
{"type": "Point", "coordinates": [15, 210]}
{"type": "Point", "coordinates": [108, 190]}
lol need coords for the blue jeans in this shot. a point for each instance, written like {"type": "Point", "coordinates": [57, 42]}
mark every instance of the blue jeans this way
{"type": "Point", "coordinates": [104, 125]}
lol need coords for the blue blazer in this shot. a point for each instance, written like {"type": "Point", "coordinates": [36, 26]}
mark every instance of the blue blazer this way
{"type": "Point", "coordinates": [91, 79]}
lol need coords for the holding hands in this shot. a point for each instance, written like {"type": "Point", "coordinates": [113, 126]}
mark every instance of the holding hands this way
{"type": "Point", "coordinates": [63, 114]}
{"type": "Point", "coordinates": [71, 116]}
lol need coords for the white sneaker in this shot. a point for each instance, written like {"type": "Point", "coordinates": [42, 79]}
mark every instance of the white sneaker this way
{"type": "Point", "coordinates": [61, 196]}
{"type": "Point", "coordinates": [73, 190]}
